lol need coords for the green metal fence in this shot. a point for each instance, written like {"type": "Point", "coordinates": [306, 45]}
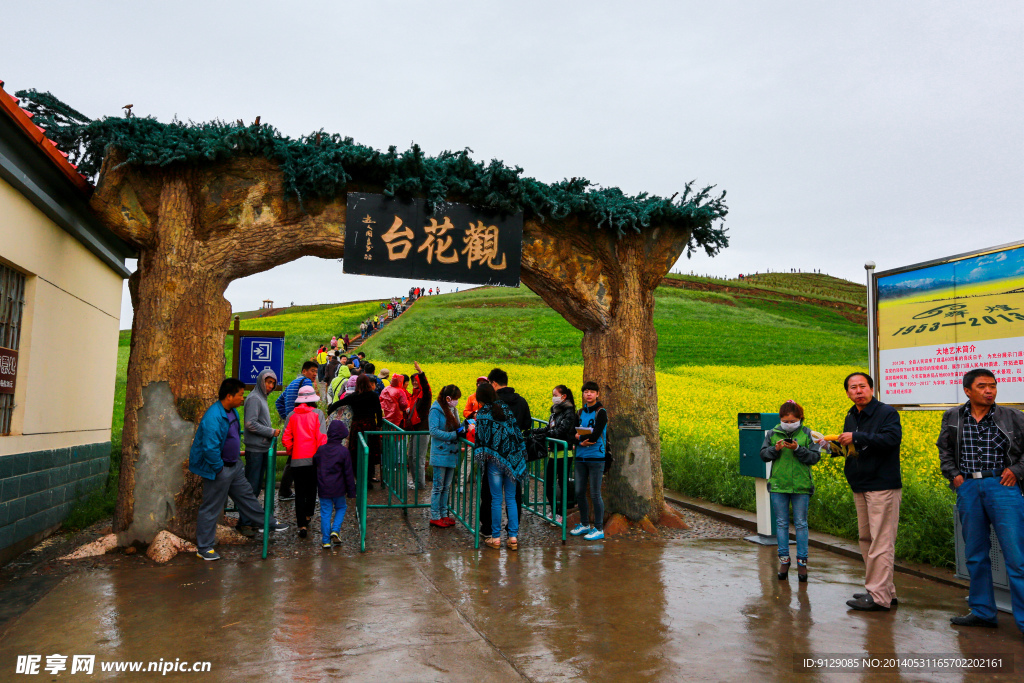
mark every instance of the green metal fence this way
{"type": "Point", "coordinates": [268, 493]}
{"type": "Point", "coordinates": [548, 482]}
{"type": "Point", "coordinates": [402, 453]}
{"type": "Point", "coordinates": [546, 490]}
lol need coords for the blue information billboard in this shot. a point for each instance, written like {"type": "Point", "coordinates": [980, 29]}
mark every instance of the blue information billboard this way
{"type": "Point", "coordinates": [255, 354]}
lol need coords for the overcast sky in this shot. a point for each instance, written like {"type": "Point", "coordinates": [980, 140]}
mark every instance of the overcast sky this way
{"type": "Point", "coordinates": [842, 131]}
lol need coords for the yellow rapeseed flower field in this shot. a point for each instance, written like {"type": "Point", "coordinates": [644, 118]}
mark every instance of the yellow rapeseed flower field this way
{"type": "Point", "coordinates": [697, 409]}
{"type": "Point", "coordinates": [699, 404]}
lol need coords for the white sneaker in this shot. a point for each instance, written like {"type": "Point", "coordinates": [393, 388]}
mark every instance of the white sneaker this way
{"type": "Point", "coordinates": [595, 535]}
{"type": "Point", "coordinates": [580, 530]}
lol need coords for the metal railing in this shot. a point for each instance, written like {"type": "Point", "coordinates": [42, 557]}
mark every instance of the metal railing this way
{"type": "Point", "coordinates": [546, 489]}
{"type": "Point", "coordinates": [399, 450]}
{"type": "Point", "coordinates": [268, 493]}
{"type": "Point", "coordinates": [399, 456]}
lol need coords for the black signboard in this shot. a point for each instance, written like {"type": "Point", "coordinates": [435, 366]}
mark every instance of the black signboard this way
{"type": "Point", "coordinates": [454, 243]}
{"type": "Point", "coordinates": [8, 370]}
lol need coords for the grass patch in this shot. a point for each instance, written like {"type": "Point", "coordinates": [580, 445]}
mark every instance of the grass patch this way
{"type": "Point", "coordinates": [812, 285]}
{"type": "Point", "coordinates": [517, 326]}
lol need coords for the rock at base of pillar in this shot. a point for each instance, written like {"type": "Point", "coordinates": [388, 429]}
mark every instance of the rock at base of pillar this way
{"type": "Point", "coordinates": [98, 547]}
{"type": "Point", "coordinates": [616, 524]}
{"type": "Point", "coordinates": [166, 545]}
{"type": "Point", "coordinates": [671, 519]}
{"type": "Point", "coordinates": [648, 526]}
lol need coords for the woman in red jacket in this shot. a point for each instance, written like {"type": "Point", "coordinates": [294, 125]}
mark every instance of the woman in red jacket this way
{"type": "Point", "coordinates": [304, 433]}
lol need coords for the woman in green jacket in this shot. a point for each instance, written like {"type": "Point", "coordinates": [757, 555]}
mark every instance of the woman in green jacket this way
{"type": "Point", "coordinates": [792, 451]}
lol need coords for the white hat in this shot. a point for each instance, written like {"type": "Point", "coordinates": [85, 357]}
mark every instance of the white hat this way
{"type": "Point", "coordinates": [307, 395]}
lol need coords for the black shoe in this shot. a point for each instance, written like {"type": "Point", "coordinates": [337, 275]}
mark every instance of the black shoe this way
{"type": "Point", "coordinates": [861, 596]}
{"type": "Point", "coordinates": [245, 530]}
{"type": "Point", "coordinates": [866, 605]}
{"type": "Point", "coordinates": [973, 620]}
{"type": "Point", "coordinates": [784, 570]}
{"type": "Point", "coordinates": [302, 532]}
{"type": "Point", "coordinates": [286, 496]}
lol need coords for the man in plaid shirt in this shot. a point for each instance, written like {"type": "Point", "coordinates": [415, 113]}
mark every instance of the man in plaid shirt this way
{"type": "Point", "coordinates": [980, 448]}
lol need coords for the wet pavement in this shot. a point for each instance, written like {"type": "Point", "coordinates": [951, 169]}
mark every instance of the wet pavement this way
{"type": "Point", "coordinates": [665, 610]}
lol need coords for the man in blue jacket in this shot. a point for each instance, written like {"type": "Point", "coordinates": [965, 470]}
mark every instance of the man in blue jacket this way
{"type": "Point", "coordinates": [215, 454]}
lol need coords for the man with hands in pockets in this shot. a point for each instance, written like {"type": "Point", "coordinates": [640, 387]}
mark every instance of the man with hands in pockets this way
{"type": "Point", "coordinates": [980, 448]}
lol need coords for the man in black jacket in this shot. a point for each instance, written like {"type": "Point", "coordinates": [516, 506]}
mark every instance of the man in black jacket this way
{"type": "Point", "coordinates": [980, 452]}
{"type": "Point", "coordinates": [521, 409]}
{"type": "Point", "coordinates": [873, 429]}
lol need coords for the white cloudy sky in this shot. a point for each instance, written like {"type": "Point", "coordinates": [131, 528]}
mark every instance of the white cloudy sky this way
{"type": "Point", "coordinates": [842, 131]}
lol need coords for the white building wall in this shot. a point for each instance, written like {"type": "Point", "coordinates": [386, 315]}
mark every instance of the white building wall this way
{"type": "Point", "coordinates": [68, 350]}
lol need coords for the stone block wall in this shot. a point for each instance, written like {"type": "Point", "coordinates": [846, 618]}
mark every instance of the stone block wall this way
{"type": "Point", "coordinates": [38, 489]}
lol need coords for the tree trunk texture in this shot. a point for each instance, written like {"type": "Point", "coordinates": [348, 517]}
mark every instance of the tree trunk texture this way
{"type": "Point", "coordinates": [197, 229]}
{"type": "Point", "coordinates": [604, 286]}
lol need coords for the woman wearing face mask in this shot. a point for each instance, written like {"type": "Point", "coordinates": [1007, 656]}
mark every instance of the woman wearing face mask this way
{"type": "Point", "coordinates": [561, 425]}
{"type": "Point", "coordinates": [445, 433]}
{"type": "Point", "coordinates": [792, 452]}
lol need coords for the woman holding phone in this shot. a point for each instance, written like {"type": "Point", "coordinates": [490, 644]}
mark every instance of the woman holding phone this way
{"type": "Point", "coordinates": [792, 451]}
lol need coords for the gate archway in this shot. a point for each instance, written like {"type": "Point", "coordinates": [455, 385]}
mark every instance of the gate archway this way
{"type": "Point", "coordinates": [205, 204]}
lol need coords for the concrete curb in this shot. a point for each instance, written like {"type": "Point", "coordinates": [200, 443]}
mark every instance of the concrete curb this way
{"type": "Point", "coordinates": [833, 544]}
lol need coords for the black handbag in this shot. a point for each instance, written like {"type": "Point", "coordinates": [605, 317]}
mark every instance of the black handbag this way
{"type": "Point", "coordinates": [536, 446]}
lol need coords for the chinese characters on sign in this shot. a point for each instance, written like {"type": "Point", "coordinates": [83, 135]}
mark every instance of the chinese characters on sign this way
{"type": "Point", "coordinates": [8, 370]}
{"type": "Point", "coordinates": [937, 322]}
{"type": "Point", "coordinates": [455, 243]}
{"type": "Point", "coordinates": [31, 664]}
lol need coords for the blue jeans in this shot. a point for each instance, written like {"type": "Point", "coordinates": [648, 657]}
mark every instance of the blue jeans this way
{"type": "Point", "coordinates": [591, 472]}
{"type": "Point", "coordinates": [781, 501]}
{"type": "Point", "coordinates": [327, 506]}
{"type": "Point", "coordinates": [439, 495]}
{"type": "Point", "coordinates": [984, 502]}
{"type": "Point", "coordinates": [503, 487]}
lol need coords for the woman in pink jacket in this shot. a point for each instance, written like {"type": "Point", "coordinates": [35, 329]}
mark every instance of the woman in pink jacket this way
{"type": "Point", "coordinates": [304, 433]}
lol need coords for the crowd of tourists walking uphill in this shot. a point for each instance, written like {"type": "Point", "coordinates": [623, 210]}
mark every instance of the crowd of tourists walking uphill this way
{"type": "Point", "coordinates": [338, 396]}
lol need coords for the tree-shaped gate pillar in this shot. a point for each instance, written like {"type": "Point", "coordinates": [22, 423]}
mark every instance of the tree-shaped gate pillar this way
{"type": "Point", "coordinates": [604, 285]}
{"type": "Point", "coordinates": [197, 230]}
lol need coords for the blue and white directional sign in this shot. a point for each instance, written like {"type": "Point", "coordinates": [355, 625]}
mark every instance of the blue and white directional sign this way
{"type": "Point", "coordinates": [256, 354]}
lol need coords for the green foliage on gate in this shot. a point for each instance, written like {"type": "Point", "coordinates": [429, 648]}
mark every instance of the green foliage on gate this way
{"type": "Point", "coordinates": [321, 165]}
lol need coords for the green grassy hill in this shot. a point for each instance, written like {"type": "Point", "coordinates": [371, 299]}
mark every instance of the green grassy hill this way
{"type": "Point", "coordinates": [306, 327]}
{"type": "Point", "coordinates": [694, 328]}
{"type": "Point", "coordinates": [804, 285]}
